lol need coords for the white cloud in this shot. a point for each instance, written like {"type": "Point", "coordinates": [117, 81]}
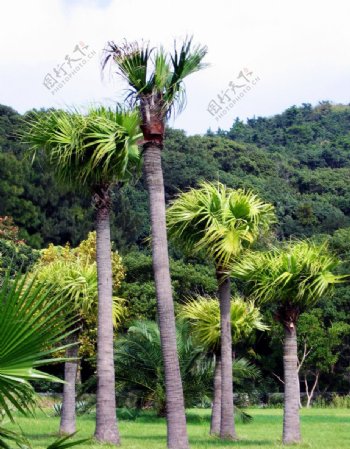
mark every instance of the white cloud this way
{"type": "Point", "coordinates": [299, 49]}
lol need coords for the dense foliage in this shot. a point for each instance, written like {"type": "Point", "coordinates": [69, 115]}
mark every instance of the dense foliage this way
{"type": "Point", "coordinates": [298, 160]}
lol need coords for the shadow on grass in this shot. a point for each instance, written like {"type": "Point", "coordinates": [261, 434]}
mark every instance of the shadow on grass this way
{"type": "Point", "coordinates": [325, 419]}
{"type": "Point", "coordinates": [41, 436]}
{"type": "Point", "coordinates": [216, 442]}
{"type": "Point", "coordinates": [208, 441]}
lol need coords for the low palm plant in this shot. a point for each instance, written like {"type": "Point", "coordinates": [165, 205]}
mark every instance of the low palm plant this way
{"type": "Point", "coordinates": [141, 370]}
{"type": "Point", "coordinates": [221, 223]}
{"type": "Point", "coordinates": [140, 375]}
{"type": "Point", "coordinates": [32, 330]}
{"type": "Point", "coordinates": [293, 277]}
{"type": "Point", "coordinates": [203, 314]}
{"type": "Point", "coordinates": [92, 153]}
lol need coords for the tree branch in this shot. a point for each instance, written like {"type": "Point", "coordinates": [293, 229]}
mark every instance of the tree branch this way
{"type": "Point", "coordinates": [278, 377]}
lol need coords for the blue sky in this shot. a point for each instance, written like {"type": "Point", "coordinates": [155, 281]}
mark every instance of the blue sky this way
{"type": "Point", "coordinates": [298, 51]}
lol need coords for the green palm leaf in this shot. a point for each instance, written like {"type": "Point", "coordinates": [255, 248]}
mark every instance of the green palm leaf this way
{"type": "Point", "coordinates": [33, 327]}
{"type": "Point", "coordinates": [74, 284]}
{"type": "Point", "coordinates": [156, 74]}
{"type": "Point", "coordinates": [203, 314]}
{"type": "Point", "coordinates": [218, 221]}
{"type": "Point", "coordinates": [99, 148]}
{"type": "Point", "coordinates": [297, 273]}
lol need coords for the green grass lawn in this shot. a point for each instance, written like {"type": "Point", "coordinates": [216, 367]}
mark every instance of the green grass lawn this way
{"type": "Point", "coordinates": [321, 428]}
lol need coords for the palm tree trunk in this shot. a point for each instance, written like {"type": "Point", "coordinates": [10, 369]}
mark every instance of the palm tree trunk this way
{"type": "Point", "coordinates": [216, 408]}
{"type": "Point", "coordinates": [67, 422]}
{"type": "Point", "coordinates": [291, 421]}
{"type": "Point", "coordinates": [176, 419]}
{"type": "Point", "coordinates": [227, 424]}
{"type": "Point", "coordinates": [106, 418]}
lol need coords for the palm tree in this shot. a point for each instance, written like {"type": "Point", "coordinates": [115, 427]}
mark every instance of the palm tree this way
{"type": "Point", "coordinates": [92, 153]}
{"type": "Point", "coordinates": [70, 277]}
{"type": "Point", "coordinates": [156, 85]}
{"type": "Point", "coordinates": [204, 316]}
{"type": "Point", "coordinates": [220, 222]}
{"type": "Point", "coordinates": [294, 277]}
{"type": "Point", "coordinates": [32, 330]}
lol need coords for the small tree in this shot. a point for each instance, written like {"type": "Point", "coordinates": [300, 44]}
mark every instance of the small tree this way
{"type": "Point", "coordinates": [294, 277]}
{"type": "Point", "coordinates": [69, 275]}
{"type": "Point", "coordinates": [318, 348]}
{"type": "Point", "coordinates": [203, 315]}
{"type": "Point", "coordinates": [221, 223]}
{"type": "Point", "coordinates": [141, 369]}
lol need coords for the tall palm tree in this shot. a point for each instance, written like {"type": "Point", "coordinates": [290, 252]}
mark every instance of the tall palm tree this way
{"type": "Point", "coordinates": [92, 153]}
{"type": "Point", "coordinates": [70, 277]}
{"type": "Point", "coordinates": [293, 277]}
{"type": "Point", "coordinates": [156, 84]}
{"type": "Point", "coordinates": [220, 222]}
{"type": "Point", "coordinates": [204, 316]}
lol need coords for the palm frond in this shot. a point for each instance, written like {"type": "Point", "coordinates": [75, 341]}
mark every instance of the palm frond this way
{"type": "Point", "coordinates": [33, 327]}
{"type": "Point", "coordinates": [65, 441]}
{"type": "Point", "coordinates": [155, 72]}
{"type": "Point", "coordinates": [203, 314]}
{"type": "Point", "coordinates": [132, 60]}
{"type": "Point", "coordinates": [296, 273]}
{"type": "Point", "coordinates": [99, 148]}
{"type": "Point", "coordinates": [219, 221]}
{"type": "Point", "coordinates": [10, 436]}
{"type": "Point", "coordinates": [140, 370]}
{"type": "Point", "coordinates": [185, 61]}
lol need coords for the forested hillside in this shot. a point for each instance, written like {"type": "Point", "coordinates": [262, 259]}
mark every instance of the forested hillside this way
{"type": "Point", "coordinates": [298, 160]}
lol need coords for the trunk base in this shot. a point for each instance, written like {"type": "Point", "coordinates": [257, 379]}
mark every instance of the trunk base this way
{"type": "Point", "coordinates": [108, 435]}
{"type": "Point", "coordinates": [227, 421]}
{"type": "Point", "coordinates": [291, 420]}
{"type": "Point", "coordinates": [216, 408]}
{"type": "Point", "coordinates": [176, 418]}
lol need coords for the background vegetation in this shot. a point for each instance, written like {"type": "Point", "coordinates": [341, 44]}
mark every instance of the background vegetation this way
{"type": "Point", "coordinates": [298, 160]}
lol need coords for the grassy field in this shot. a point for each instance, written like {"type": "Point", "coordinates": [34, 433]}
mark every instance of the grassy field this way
{"type": "Point", "coordinates": [321, 429]}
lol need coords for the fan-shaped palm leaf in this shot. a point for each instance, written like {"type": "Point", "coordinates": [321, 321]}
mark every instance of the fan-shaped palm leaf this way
{"type": "Point", "coordinates": [218, 220]}
{"type": "Point", "coordinates": [98, 148]}
{"type": "Point", "coordinates": [156, 73]}
{"type": "Point", "coordinates": [297, 273]}
{"type": "Point", "coordinates": [203, 315]}
{"type": "Point", "coordinates": [32, 328]}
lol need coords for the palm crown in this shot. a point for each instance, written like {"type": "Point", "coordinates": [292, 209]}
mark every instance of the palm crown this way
{"type": "Point", "coordinates": [204, 317]}
{"type": "Point", "coordinates": [297, 273]}
{"type": "Point", "coordinates": [218, 220]}
{"type": "Point", "coordinates": [156, 74]}
{"type": "Point", "coordinates": [70, 277]}
{"type": "Point", "coordinates": [96, 149]}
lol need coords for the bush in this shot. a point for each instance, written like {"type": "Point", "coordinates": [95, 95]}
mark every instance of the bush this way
{"type": "Point", "coordinates": [275, 400]}
{"type": "Point", "coordinates": [340, 401]}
